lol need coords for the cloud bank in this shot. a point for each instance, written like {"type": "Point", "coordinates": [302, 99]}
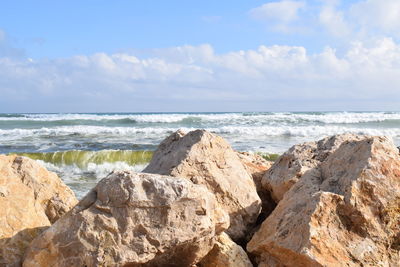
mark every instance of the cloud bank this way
{"type": "Point", "coordinates": [182, 78]}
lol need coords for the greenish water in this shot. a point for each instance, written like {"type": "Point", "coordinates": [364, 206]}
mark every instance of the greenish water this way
{"type": "Point", "coordinates": [82, 159]}
{"type": "Point", "coordinates": [268, 156]}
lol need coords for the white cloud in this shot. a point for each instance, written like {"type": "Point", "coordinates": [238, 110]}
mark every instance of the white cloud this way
{"type": "Point", "coordinates": [383, 16]}
{"type": "Point", "coordinates": [196, 78]}
{"type": "Point", "coordinates": [280, 14]}
{"type": "Point", "coordinates": [285, 10]}
{"type": "Point", "coordinates": [363, 20]}
{"type": "Point", "coordinates": [334, 21]}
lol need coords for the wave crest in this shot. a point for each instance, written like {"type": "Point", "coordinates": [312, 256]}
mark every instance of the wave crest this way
{"type": "Point", "coordinates": [83, 159]}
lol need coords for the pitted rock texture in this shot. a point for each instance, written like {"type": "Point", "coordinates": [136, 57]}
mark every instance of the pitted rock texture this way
{"type": "Point", "coordinates": [205, 158]}
{"type": "Point", "coordinates": [133, 219]}
{"type": "Point", "coordinates": [226, 253]}
{"type": "Point", "coordinates": [290, 167]}
{"type": "Point", "coordinates": [344, 211]}
{"type": "Point", "coordinates": [31, 198]}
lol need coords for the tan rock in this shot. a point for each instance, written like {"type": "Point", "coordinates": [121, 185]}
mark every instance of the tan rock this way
{"type": "Point", "coordinates": [343, 212]}
{"type": "Point", "coordinates": [257, 166]}
{"type": "Point", "coordinates": [31, 198]}
{"type": "Point", "coordinates": [226, 253]}
{"type": "Point", "coordinates": [132, 219]}
{"type": "Point", "coordinates": [290, 166]}
{"type": "Point", "coordinates": [205, 158]}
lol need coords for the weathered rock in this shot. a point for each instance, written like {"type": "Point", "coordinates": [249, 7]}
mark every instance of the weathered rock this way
{"type": "Point", "coordinates": [31, 198]}
{"type": "Point", "coordinates": [205, 158]}
{"type": "Point", "coordinates": [257, 166]}
{"type": "Point", "coordinates": [226, 253]}
{"type": "Point", "coordinates": [132, 219]}
{"type": "Point", "coordinates": [290, 166]}
{"type": "Point", "coordinates": [343, 212]}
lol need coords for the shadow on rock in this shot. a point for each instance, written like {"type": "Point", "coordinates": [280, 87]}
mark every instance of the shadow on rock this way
{"type": "Point", "coordinates": [12, 249]}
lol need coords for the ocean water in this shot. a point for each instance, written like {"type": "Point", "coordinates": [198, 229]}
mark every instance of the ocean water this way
{"type": "Point", "coordinates": [83, 148]}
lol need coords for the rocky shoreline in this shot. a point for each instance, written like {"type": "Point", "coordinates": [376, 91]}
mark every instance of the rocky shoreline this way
{"type": "Point", "coordinates": [334, 202]}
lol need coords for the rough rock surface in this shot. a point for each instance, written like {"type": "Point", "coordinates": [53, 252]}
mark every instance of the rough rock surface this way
{"type": "Point", "coordinates": [132, 219]}
{"type": "Point", "coordinates": [257, 166]}
{"type": "Point", "coordinates": [205, 158]}
{"type": "Point", "coordinates": [343, 212]}
{"type": "Point", "coordinates": [290, 166]}
{"type": "Point", "coordinates": [31, 198]}
{"type": "Point", "coordinates": [226, 253]}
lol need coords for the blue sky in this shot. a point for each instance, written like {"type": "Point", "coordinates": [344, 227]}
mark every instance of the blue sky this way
{"type": "Point", "coordinates": [67, 28]}
{"type": "Point", "coordinates": [93, 56]}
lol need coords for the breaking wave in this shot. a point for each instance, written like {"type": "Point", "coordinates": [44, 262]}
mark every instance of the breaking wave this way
{"type": "Point", "coordinates": [81, 170]}
{"type": "Point", "coordinates": [83, 159]}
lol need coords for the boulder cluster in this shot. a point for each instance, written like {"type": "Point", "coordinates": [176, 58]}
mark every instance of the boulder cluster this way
{"type": "Point", "coordinates": [199, 203]}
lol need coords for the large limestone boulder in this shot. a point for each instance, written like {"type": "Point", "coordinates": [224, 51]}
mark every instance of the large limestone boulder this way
{"type": "Point", "coordinates": [343, 212]}
{"type": "Point", "coordinates": [31, 199]}
{"type": "Point", "coordinates": [290, 166]}
{"type": "Point", "coordinates": [132, 219]}
{"type": "Point", "coordinates": [207, 159]}
{"type": "Point", "coordinates": [226, 253]}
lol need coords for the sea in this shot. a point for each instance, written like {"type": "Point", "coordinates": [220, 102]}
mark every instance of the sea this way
{"type": "Point", "coordinates": [83, 148]}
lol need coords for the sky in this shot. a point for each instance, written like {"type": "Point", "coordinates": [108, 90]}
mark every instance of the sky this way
{"type": "Point", "coordinates": [180, 56]}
